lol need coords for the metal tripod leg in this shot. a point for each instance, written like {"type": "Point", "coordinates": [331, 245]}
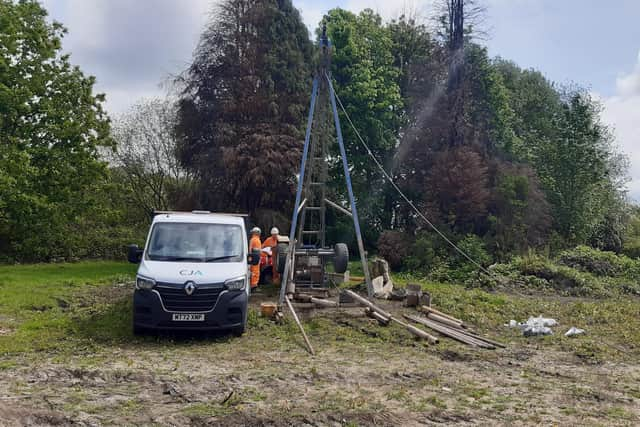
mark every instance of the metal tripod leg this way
{"type": "Point", "coordinates": [294, 220]}
{"type": "Point", "coordinates": [347, 175]}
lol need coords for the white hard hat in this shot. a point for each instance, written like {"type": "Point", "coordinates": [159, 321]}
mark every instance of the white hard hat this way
{"type": "Point", "coordinates": [275, 230]}
{"type": "Point", "coordinates": [256, 230]}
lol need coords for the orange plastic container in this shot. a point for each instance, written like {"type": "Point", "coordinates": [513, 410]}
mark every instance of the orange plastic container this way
{"type": "Point", "coordinates": [268, 309]}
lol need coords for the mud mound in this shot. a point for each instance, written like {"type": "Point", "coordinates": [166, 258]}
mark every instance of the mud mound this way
{"type": "Point", "coordinates": [12, 415]}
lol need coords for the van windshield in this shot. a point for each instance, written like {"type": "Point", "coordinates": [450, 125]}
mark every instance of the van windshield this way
{"type": "Point", "coordinates": [172, 241]}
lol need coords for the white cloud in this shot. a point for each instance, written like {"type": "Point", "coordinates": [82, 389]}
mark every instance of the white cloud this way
{"type": "Point", "coordinates": [313, 11]}
{"type": "Point", "coordinates": [622, 112]}
{"type": "Point", "coordinates": [629, 84]}
{"type": "Point", "coordinates": [392, 9]}
{"type": "Point", "coordinates": [131, 47]}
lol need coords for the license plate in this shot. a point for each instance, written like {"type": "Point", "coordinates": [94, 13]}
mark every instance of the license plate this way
{"type": "Point", "coordinates": [188, 317]}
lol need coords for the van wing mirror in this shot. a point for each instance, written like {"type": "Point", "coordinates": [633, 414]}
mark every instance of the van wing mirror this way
{"type": "Point", "coordinates": [254, 257]}
{"type": "Point", "coordinates": [134, 254]}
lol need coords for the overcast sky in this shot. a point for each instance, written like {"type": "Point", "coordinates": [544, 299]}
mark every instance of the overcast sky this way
{"type": "Point", "coordinates": [134, 46]}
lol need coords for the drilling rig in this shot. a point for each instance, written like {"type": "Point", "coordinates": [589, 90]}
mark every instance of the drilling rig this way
{"type": "Point", "coordinates": [304, 263]}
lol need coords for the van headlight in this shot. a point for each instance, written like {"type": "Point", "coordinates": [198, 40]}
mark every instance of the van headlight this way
{"type": "Point", "coordinates": [145, 283]}
{"type": "Point", "coordinates": [236, 284]}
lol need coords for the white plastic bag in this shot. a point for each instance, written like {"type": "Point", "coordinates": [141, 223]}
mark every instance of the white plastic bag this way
{"type": "Point", "coordinates": [534, 326]}
{"type": "Point", "coordinates": [531, 331]}
{"type": "Point", "coordinates": [542, 321]}
{"type": "Point", "coordinates": [573, 331]}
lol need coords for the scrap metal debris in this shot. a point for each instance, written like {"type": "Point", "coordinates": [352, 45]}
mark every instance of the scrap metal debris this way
{"type": "Point", "coordinates": [412, 329]}
{"type": "Point", "coordinates": [457, 334]}
{"type": "Point", "coordinates": [414, 295]}
{"type": "Point", "coordinates": [436, 320]}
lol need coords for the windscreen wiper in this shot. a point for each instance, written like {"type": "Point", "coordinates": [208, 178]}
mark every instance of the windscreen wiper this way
{"type": "Point", "coordinates": [174, 258]}
{"type": "Point", "coordinates": [220, 258]}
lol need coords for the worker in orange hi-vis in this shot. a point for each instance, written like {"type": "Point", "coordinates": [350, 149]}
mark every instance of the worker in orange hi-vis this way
{"type": "Point", "coordinates": [254, 243]}
{"type": "Point", "coordinates": [272, 242]}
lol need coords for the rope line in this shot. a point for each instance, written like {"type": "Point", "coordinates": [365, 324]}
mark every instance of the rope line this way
{"type": "Point", "coordinates": [400, 192]}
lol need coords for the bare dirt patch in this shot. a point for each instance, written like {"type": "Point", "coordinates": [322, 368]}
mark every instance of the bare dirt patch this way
{"type": "Point", "coordinates": [362, 375]}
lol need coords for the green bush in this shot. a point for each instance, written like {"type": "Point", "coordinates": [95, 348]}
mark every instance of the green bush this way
{"type": "Point", "coordinates": [423, 255]}
{"type": "Point", "coordinates": [475, 248]}
{"type": "Point", "coordinates": [562, 278]}
{"type": "Point", "coordinates": [601, 263]}
{"type": "Point", "coordinates": [632, 248]}
{"type": "Point", "coordinates": [582, 271]}
{"type": "Point", "coordinates": [96, 236]}
{"type": "Point", "coordinates": [434, 258]}
{"type": "Point", "coordinates": [631, 245]}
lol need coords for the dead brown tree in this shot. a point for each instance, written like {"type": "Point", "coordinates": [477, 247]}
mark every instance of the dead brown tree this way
{"type": "Point", "coordinates": [459, 20]}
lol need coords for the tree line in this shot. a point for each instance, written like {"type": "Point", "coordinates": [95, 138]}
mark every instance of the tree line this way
{"type": "Point", "coordinates": [501, 159]}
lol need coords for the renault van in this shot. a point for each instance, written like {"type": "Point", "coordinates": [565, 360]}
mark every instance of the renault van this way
{"type": "Point", "coordinates": [193, 273]}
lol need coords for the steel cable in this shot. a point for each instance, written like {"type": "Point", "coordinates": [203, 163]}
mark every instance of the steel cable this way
{"type": "Point", "coordinates": [400, 192]}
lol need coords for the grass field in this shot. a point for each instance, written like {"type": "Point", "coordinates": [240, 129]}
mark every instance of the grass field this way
{"type": "Point", "coordinates": [67, 354]}
{"type": "Point", "coordinates": [43, 306]}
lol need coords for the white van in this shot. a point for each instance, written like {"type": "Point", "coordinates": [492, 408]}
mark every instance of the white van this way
{"type": "Point", "coordinates": [193, 274]}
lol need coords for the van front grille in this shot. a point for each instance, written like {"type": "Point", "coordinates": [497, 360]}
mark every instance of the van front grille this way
{"type": "Point", "coordinates": [175, 298]}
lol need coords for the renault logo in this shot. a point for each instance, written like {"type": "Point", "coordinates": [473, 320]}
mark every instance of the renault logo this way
{"type": "Point", "coordinates": [189, 287]}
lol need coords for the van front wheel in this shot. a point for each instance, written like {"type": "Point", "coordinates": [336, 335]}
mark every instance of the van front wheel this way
{"type": "Point", "coordinates": [238, 332]}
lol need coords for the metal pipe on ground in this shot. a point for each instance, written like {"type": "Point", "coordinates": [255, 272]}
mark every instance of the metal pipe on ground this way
{"type": "Point", "coordinates": [324, 302]}
{"type": "Point", "coordinates": [487, 340]}
{"type": "Point", "coordinates": [456, 334]}
{"type": "Point", "coordinates": [383, 321]}
{"type": "Point", "coordinates": [304, 334]}
{"type": "Point", "coordinates": [453, 333]}
{"type": "Point", "coordinates": [302, 297]}
{"type": "Point", "coordinates": [415, 331]}
{"type": "Point", "coordinates": [444, 320]}
{"type": "Point", "coordinates": [428, 309]}
{"type": "Point", "coordinates": [437, 315]}
{"type": "Point", "coordinates": [367, 303]}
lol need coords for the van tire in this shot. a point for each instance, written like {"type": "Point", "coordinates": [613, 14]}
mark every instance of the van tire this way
{"type": "Point", "coordinates": [138, 331]}
{"type": "Point", "coordinates": [341, 258]}
{"type": "Point", "coordinates": [281, 256]}
{"type": "Point", "coordinates": [239, 331]}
